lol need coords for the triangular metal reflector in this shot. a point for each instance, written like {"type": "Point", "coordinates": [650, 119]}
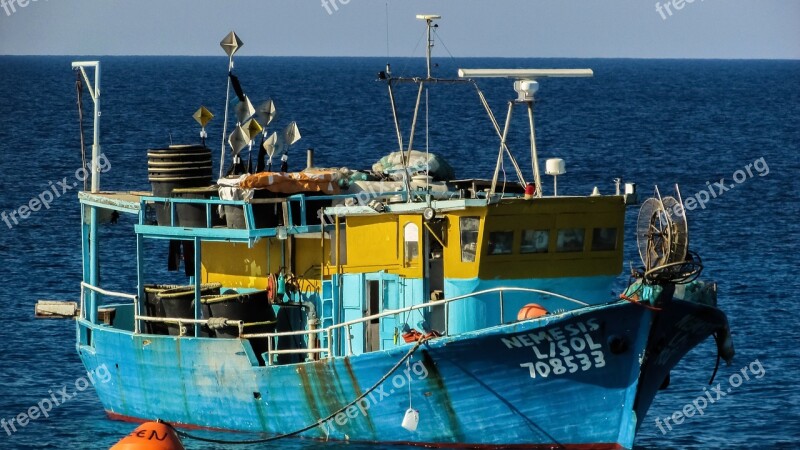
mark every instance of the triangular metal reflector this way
{"type": "Point", "coordinates": [253, 128]}
{"type": "Point", "coordinates": [244, 110]}
{"type": "Point", "coordinates": [238, 140]}
{"type": "Point", "coordinates": [269, 144]}
{"type": "Point", "coordinates": [202, 116]}
{"type": "Point", "coordinates": [231, 44]}
{"type": "Point", "coordinates": [266, 112]}
{"type": "Point", "coordinates": [291, 134]}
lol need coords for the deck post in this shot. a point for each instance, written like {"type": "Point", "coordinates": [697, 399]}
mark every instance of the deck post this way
{"type": "Point", "coordinates": [141, 298]}
{"type": "Point", "coordinates": [502, 309]}
{"type": "Point", "coordinates": [197, 281]}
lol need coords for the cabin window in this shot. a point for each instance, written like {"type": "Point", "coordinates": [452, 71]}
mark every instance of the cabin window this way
{"type": "Point", "coordinates": [469, 238]}
{"type": "Point", "coordinates": [411, 239]}
{"type": "Point", "coordinates": [604, 239]}
{"type": "Point", "coordinates": [535, 241]}
{"type": "Point", "coordinates": [570, 240]}
{"type": "Point", "coordinates": [501, 242]}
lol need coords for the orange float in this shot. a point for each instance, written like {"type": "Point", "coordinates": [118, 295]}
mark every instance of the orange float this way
{"type": "Point", "coordinates": [531, 311]}
{"type": "Point", "coordinates": [150, 436]}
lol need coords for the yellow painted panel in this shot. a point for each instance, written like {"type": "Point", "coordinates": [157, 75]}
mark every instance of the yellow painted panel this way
{"type": "Point", "coordinates": [308, 255]}
{"type": "Point", "coordinates": [453, 266]}
{"type": "Point", "coordinates": [236, 265]}
{"type": "Point", "coordinates": [411, 267]}
{"type": "Point", "coordinates": [517, 215]}
{"type": "Point", "coordinates": [373, 241]}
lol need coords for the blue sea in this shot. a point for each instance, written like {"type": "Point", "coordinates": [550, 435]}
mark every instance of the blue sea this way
{"type": "Point", "coordinates": [726, 131]}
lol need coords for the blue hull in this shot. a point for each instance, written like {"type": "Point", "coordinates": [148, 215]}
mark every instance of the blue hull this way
{"type": "Point", "coordinates": [559, 380]}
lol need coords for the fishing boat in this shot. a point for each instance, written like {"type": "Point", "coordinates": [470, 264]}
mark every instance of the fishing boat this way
{"type": "Point", "coordinates": [411, 309]}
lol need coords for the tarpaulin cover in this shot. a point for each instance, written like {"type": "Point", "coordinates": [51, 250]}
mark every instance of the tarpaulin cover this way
{"type": "Point", "coordinates": [324, 181]}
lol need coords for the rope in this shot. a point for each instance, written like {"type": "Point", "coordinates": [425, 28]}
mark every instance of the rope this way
{"type": "Point", "coordinates": [636, 301]}
{"type": "Point", "coordinates": [319, 422]}
{"type": "Point", "coordinates": [716, 366]}
{"type": "Point", "coordinates": [441, 41]}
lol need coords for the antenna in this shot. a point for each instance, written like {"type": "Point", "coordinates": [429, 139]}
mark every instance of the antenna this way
{"type": "Point", "coordinates": [526, 86]}
{"type": "Point", "coordinates": [429, 18]}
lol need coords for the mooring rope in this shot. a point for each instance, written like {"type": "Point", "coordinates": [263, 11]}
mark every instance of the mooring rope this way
{"type": "Point", "coordinates": [319, 422]}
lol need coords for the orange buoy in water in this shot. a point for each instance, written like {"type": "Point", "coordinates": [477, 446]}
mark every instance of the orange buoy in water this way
{"type": "Point", "coordinates": [531, 311]}
{"type": "Point", "coordinates": [150, 436]}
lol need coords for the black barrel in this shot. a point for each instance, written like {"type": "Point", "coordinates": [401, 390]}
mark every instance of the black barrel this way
{"type": "Point", "coordinates": [253, 308]}
{"type": "Point", "coordinates": [178, 303]}
{"type": "Point", "coordinates": [177, 167]}
{"type": "Point", "coordinates": [154, 308]}
{"type": "Point", "coordinates": [194, 214]}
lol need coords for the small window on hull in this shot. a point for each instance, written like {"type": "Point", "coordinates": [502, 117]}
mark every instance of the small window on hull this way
{"type": "Point", "coordinates": [501, 242]}
{"type": "Point", "coordinates": [535, 241]}
{"type": "Point", "coordinates": [604, 239]}
{"type": "Point", "coordinates": [411, 239]}
{"type": "Point", "coordinates": [570, 240]}
{"type": "Point", "coordinates": [469, 238]}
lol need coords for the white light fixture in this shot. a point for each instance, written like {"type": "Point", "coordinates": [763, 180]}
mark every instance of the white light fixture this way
{"type": "Point", "coordinates": [555, 167]}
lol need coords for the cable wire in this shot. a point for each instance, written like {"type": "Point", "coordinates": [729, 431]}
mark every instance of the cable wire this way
{"type": "Point", "coordinates": [405, 358]}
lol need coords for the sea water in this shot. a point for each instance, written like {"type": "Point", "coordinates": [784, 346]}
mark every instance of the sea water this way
{"type": "Point", "coordinates": [726, 131]}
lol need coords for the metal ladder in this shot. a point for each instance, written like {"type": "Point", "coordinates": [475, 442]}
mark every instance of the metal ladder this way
{"type": "Point", "coordinates": [327, 311]}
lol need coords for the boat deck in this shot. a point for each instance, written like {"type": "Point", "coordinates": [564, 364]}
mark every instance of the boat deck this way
{"type": "Point", "coordinates": [123, 201]}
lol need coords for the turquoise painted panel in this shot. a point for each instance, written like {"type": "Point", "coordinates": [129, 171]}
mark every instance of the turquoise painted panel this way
{"type": "Point", "coordinates": [555, 380]}
{"type": "Point", "coordinates": [353, 308]}
{"type": "Point", "coordinates": [484, 311]}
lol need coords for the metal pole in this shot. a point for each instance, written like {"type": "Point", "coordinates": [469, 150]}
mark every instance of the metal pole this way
{"type": "Point", "coordinates": [197, 280]}
{"type": "Point", "coordinates": [407, 157]}
{"type": "Point", "coordinates": [94, 92]}
{"type": "Point", "coordinates": [394, 115]}
{"type": "Point", "coordinates": [96, 136]}
{"type": "Point", "coordinates": [534, 157]}
{"type": "Point", "coordinates": [502, 147]}
{"type": "Point", "coordinates": [330, 343]}
{"type": "Point", "coordinates": [499, 133]}
{"type": "Point", "coordinates": [502, 309]}
{"type": "Point", "coordinates": [225, 123]}
{"type": "Point", "coordinates": [140, 282]}
{"type": "Point", "coordinates": [428, 52]}
{"type": "Point", "coordinates": [94, 268]}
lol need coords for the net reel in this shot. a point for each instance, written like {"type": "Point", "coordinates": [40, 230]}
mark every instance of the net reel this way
{"type": "Point", "coordinates": [662, 236]}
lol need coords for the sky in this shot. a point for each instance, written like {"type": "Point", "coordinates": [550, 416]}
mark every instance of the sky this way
{"type": "Point", "coordinates": [724, 29]}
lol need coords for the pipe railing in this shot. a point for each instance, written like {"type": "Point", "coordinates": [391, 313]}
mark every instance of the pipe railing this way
{"type": "Point", "coordinates": [93, 310]}
{"type": "Point", "coordinates": [180, 321]}
{"type": "Point", "coordinates": [330, 331]}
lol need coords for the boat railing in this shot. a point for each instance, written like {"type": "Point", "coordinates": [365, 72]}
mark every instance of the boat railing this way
{"type": "Point", "coordinates": [330, 332]}
{"type": "Point", "coordinates": [293, 219]}
{"type": "Point", "coordinates": [92, 312]}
